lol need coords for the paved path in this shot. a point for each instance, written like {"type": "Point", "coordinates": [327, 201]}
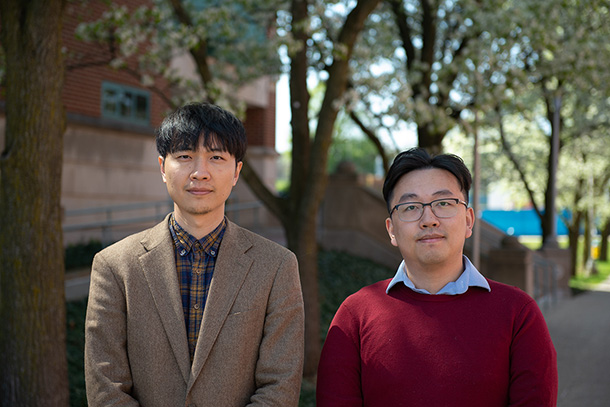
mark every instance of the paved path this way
{"type": "Point", "coordinates": [580, 329]}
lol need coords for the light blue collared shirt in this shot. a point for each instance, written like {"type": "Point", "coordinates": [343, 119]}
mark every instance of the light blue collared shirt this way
{"type": "Point", "coordinates": [471, 277]}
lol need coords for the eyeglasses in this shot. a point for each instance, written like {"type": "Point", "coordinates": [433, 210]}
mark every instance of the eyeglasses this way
{"type": "Point", "coordinates": [441, 208]}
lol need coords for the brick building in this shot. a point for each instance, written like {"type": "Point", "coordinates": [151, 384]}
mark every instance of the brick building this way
{"type": "Point", "coordinates": [110, 156]}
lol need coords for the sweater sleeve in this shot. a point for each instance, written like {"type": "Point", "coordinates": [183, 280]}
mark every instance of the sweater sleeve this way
{"type": "Point", "coordinates": [339, 368]}
{"type": "Point", "coordinates": [533, 371]}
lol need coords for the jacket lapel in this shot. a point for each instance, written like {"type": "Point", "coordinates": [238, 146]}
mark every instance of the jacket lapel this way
{"type": "Point", "coordinates": [159, 267]}
{"type": "Point", "coordinates": [230, 271]}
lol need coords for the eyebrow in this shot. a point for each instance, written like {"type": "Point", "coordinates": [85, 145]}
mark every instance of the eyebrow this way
{"type": "Point", "coordinates": [410, 195]}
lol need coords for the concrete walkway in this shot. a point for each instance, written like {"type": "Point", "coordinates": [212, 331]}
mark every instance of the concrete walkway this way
{"type": "Point", "coordinates": [580, 329]}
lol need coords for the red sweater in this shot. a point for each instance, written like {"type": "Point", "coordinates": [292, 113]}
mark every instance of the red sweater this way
{"type": "Point", "coordinates": [477, 349]}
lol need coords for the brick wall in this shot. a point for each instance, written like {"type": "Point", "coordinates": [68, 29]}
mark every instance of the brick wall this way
{"type": "Point", "coordinates": [87, 67]}
{"type": "Point", "coordinates": [86, 64]}
{"type": "Point", "coordinates": [260, 124]}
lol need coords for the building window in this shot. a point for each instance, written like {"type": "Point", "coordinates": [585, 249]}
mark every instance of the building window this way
{"type": "Point", "coordinates": [125, 103]}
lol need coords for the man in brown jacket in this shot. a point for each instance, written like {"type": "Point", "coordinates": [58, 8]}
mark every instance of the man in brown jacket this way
{"type": "Point", "coordinates": [195, 311]}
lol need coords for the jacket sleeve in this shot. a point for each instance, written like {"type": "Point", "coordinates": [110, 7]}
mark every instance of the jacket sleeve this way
{"type": "Point", "coordinates": [339, 373]}
{"type": "Point", "coordinates": [279, 368]}
{"type": "Point", "coordinates": [107, 374]}
{"type": "Point", "coordinates": [533, 361]}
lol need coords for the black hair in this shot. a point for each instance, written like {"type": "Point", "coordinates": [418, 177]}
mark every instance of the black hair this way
{"type": "Point", "coordinates": [183, 128]}
{"type": "Point", "coordinates": [419, 159]}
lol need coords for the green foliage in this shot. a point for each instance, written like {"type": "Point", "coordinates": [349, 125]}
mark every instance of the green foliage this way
{"type": "Point", "coordinates": [75, 341]}
{"type": "Point", "coordinates": [357, 150]}
{"type": "Point", "coordinates": [308, 394]}
{"type": "Point", "coordinates": [232, 34]}
{"type": "Point", "coordinates": [81, 255]}
{"type": "Point", "coordinates": [341, 275]}
{"type": "Point", "coordinates": [580, 282]}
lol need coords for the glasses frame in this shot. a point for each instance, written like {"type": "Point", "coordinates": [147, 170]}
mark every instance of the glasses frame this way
{"type": "Point", "coordinates": [423, 208]}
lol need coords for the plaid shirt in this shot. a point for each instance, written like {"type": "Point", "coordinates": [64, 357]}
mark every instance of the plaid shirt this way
{"type": "Point", "coordinates": [195, 261]}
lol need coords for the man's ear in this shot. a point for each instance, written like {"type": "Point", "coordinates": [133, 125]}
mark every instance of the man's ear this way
{"type": "Point", "coordinates": [238, 167]}
{"type": "Point", "coordinates": [162, 167]}
{"type": "Point", "coordinates": [470, 219]}
{"type": "Point", "coordinates": [390, 228]}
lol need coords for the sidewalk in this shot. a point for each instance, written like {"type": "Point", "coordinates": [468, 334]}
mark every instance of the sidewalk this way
{"type": "Point", "coordinates": [580, 329]}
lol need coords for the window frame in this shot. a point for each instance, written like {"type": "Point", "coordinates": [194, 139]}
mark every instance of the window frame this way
{"type": "Point", "coordinates": [122, 90]}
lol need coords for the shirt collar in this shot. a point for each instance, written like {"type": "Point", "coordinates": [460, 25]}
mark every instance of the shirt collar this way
{"type": "Point", "coordinates": [185, 242]}
{"type": "Point", "coordinates": [471, 277]}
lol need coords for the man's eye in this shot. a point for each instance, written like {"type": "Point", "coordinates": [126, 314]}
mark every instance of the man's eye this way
{"type": "Point", "coordinates": [409, 208]}
{"type": "Point", "coordinates": [444, 203]}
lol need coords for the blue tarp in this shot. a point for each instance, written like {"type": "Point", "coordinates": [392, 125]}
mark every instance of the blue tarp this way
{"type": "Point", "coordinates": [519, 223]}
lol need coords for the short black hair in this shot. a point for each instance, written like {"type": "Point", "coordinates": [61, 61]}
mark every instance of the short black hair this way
{"type": "Point", "coordinates": [419, 159]}
{"type": "Point", "coordinates": [183, 128]}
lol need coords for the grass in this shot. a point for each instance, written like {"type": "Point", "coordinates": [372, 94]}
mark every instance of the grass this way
{"type": "Point", "coordinates": [581, 282]}
{"type": "Point", "coordinates": [535, 242]}
{"type": "Point", "coordinates": [340, 275]}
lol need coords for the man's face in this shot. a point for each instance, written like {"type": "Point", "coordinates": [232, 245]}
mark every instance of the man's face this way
{"type": "Point", "coordinates": [199, 182]}
{"type": "Point", "coordinates": [430, 242]}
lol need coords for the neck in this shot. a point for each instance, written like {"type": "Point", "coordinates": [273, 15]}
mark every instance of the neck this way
{"type": "Point", "coordinates": [433, 279]}
{"type": "Point", "coordinates": [198, 225]}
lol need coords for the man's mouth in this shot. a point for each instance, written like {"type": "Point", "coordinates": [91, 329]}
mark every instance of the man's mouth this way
{"type": "Point", "coordinates": [430, 238]}
{"type": "Point", "coordinates": [199, 191]}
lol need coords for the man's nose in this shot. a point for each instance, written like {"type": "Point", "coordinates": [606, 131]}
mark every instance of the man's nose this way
{"type": "Point", "coordinates": [200, 169]}
{"type": "Point", "coordinates": [428, 218]}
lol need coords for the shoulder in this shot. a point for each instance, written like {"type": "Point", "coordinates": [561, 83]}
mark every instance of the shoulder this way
{"type": "Point", "coordinates": [512, 301]}
{"type": "Point", "coordinates": [509, 292]}
{"type": "Point", "coordinates": [253, 243]}
{"type": "Point", "coordinates": [138, 243]}
{"type": "Point", "coordinates": [367, 296]}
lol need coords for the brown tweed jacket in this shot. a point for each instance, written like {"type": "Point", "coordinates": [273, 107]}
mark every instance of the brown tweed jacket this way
{"type": "Point", "coordinates": [250, 346]}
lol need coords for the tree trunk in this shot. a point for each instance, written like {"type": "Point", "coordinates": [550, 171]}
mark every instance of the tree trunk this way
{"type": "Point", "coordinates": [574, 227]}
{"type": "Point", "coordinates": [547, 218]}
{"type": "Point", "coordinates": [301, 236]}
{"type": "Point", "coordinates": [573, 236]}
{"type": "Point", "coordinates": [430, 141]}
{"type": "Point", "coordinates": [587, 259]}
{"type": "Point", "coordinates": [33, 365]}
{"type": "Point", "coordinates": [603, 250]}
{"type": "Point", "coordinates": [299, 211]}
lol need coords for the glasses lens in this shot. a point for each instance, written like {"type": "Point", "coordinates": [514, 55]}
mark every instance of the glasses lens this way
{"type": "Point", "coordinates": [444, 208]}
{"type": "Point", "coordinates": [410, 212]}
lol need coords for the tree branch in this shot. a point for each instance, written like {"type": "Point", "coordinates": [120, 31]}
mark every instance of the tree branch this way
{"type": "Point", "coordinates": [275, 204]}
{"type": "Point", "coordinates": [405, 31]}
{"type": "Point", "coordinates": [199, 52]}
{"type": "Point", "coordinates": [373, 138]}
{"type": "Point", "coordinates": [299, 103]}
{"type": "Point", "coordinates": [513, 159]}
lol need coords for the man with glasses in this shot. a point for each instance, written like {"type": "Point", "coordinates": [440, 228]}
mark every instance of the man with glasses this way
{"type": "Point", "coordinates": [438, 333]}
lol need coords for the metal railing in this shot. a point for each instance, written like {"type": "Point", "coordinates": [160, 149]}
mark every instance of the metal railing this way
{"type": "Point", "coordinates": [107, 218]}
{"type": "Point", "coordinates": [546, 274]}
